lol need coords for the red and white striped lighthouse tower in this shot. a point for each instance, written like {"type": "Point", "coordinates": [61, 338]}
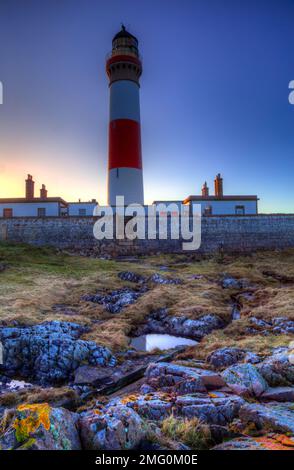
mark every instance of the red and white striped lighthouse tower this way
{"type": "Point", "coordinates": [124, 69]}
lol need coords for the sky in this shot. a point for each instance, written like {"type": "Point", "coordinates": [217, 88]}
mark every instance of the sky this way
{"type": "Point", "coordinates": [214, 96]}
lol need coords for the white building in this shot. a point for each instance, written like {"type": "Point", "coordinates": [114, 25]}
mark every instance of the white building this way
{"type": "Point", "coordinates": [37, 207]}
{"type": "Point", "coordinates": [80, 209]}
{"type": "Point", "coordinates": [225, 205]}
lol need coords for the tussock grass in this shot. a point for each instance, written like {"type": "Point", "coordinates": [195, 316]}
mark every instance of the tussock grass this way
{"type": "Point", "coordinates": [191, 432]}
{"type": "Point", "coordinates": [38, 278]}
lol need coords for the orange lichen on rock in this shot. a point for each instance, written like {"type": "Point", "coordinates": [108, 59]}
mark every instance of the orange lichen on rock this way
{"type": "Point", "coordinates": [276, 442]}
{"type": "Point", "coordinates": [31, 417]}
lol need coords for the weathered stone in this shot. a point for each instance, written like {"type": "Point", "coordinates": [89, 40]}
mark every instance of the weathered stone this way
{"type": "Point", "coordinates": [131, 277]}
{"type": "Point", "coordinates": [277, 326]}
{"type": "Point", "coordinates": [282, 394]}
{"type": "Point", "coordinates": [112, 428]}
{"type": "Point", "coordinates": [277, 369]}
{"type": "Point", "coordinates": [159, 279]}
{"type": "Point", "coordinates": [116, 300]}
{"type": "Point", "coordinates": [225, 357]}
{"type": "Point", "coordinates": [274, 417]}
{"type": "Point", "coordinates": [161, 322]}
{"type": "Point", "coordinates": [244, 379]}
{"type": "Point", "coordinates": [50, 352]}
{"type": "Point", "coordinates": [215, 410]}
{"type": "Point", "coordinates": [230, 282]}
{"type": "Point", "coordinates": [182, 380]}
{"type": "Point", "coordinates": [39, 427]}
{"type": "Point", "coordinates": [270, 442]}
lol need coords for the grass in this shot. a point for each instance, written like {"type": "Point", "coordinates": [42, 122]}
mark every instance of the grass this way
{"type": "Point", "coordinates": [191, 432]}
{"type": "Point", "coordinates": [35, 279]}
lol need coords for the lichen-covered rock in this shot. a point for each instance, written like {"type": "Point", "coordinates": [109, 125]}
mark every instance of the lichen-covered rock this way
{"type": "Point", "coordinates": [131, 276]}
{"type": "Point", "coordinates": [49, 353]}
{"type": "Point", "coordinates": [111, 428]}
{"type": "Point", "coordinates": [225, 357]}
{"type": "Point", "coordinates": [276, 325]}
{"type": "Point", "coordinates": [274, 417]}
{"type": "Point", "coordinates": [159, 279]}
{"type": "Point", "coordinates": [116, 300]}
{"type": "Point", "coordinates": [215, 409]}
{"type": "Point", "coordinates": [229, 282]}
{"type": "Point", "coordinates": [269, 442]}
{"type": "Point", "coordinates": [181, 380]}
{"type": "Point", "coordinates": [281, 394]}
{"type": "Point", "coordinates": [39, 427]}
{"type": "Point", "coordinates": [160, 321]}
{"type": "Point", "coordinates": [278, 370]}
{"type": "Point", "coordinates": [245, 380]}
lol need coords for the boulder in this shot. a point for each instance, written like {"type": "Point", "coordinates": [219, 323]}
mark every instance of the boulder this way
{"type": "Point", "coordinates": [270, 442]}
{"type": "Point", "coordinates": [282, 394]}
{"type": "Point", "coordinates": [39, 427]}
{"type": "Point", "coordinates": [160, 321]}
{"type": "Point", "coordinates": [245, 380]}
{"type": "Point", "coordinates": [131, 277]}
{"type": "Point", "coordinates": [225, 357]}
{"type": "Point", "coordinates": [219, 409]}
{"type": "Point", "coordinates": [229, 282]}
{"type": "Point", "coordinates": [116, 300]}
{"type": "Point", "coordinates": [49, 353]}
{"type": "Point", "coordinates": [274, 417]}
{"type": "Point", "coordinates": [277, 369]}
{"type": "Point", "coordinates": [166, 377]}
{"type": "Point", "coordinates": [111, 428]}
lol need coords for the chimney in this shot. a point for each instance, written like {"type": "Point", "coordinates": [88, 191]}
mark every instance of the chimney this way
{"type": "Point", "coordinates": [218, 185]}
{"type": "Point", "coordinates": [205, 190]}
{"type": "Point", "coordinates": [43, 192]}
{"type": "Point", "coordinates": [30, 187]}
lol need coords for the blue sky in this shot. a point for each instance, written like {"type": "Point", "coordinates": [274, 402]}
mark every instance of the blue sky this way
{"type": "Point", "coordinates": [214, 96]}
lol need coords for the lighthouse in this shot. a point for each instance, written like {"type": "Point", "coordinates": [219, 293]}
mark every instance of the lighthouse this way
{"type": "Point", "coordinates": [124, 68]}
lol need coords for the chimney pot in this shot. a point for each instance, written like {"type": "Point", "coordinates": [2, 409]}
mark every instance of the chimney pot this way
{"type": "Point", "coordinates": [43, 192]}
{"type": "Point", "coordinates": [218, 185]}
{"type": "Point", "coordinates": [205, 190]}
{"type": "Point", "coordinates": [30, 186]}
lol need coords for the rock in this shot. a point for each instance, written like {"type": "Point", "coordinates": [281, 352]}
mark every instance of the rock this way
{"type": "Point", "coordinates": [225, 357]}
{"type": "Point", "coordinates": [180, 379]}
{"type": "Point", "coordinates": [282, 394]}
{"type": "Point", "coordinates": [3, 266]}
{"type": "Point", "coordinates": [277, 370]}
{"type": "Point", "coordinates": [276, 417]}
{"type": "Point", "coordinates": [214, 410]}
{"type": "Point", "coordinates": [112, 428]}
{"type": "Point", "coordinates": [229, 282]}
{"type": "Point", "coordinates": [277, 325]}
{"type": "Point", "coordinates": [160, 321]}
{"type": "Point", "coordinates": [245, 380]}
{"type": "Point", "coordinates": [159, 279]}
{"type": "Point", "coordinates": [270, 442]}
{"type": "Point", "coordinates": [49, 353]}
{"type": "Point", "coordinates": [252, 358]}
{"type": "Point", "coordinates": [131, 277]}
{"type": "Point", "coordinates": [39, 427]}
{"type": "Point", "coordinates": [116, 300]}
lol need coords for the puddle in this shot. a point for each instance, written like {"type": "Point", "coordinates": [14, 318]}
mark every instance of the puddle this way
{"type": "Point", "coordinates": [162, 342]}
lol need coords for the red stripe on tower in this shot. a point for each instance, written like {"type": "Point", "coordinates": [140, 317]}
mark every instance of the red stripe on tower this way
{"type": "Point", "coordinates": [124, 69]}
{"type": "Point", "coordinates": [124, 144]}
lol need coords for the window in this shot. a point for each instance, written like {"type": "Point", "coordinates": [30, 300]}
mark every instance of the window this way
{"type": "Point", "coordinates": [7, 213]}
{"type": "Point", "coordinates": [82, 212]}
{"type": "Point", "coordinates": [207, 210]}
{"type": "Point", "coordinates": [41, 212]}
{"type": "Point", "coordinates": [239, 210]}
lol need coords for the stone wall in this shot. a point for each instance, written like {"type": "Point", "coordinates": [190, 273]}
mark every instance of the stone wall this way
{"type": "Point", "coordinates": [230, 233]}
